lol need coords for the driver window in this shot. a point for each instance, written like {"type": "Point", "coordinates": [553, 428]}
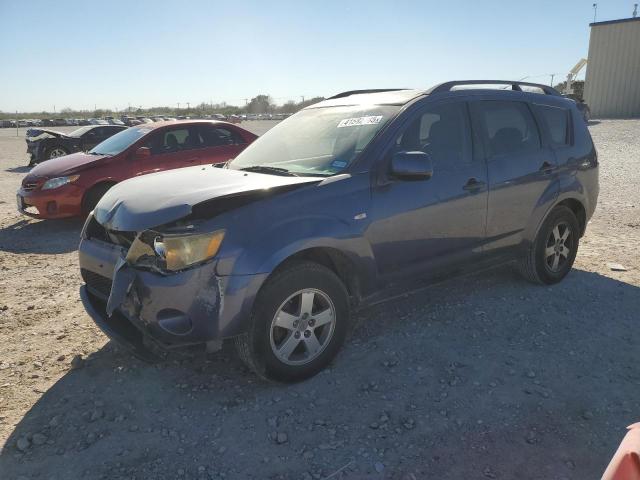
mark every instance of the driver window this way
{"type": "Point", "coordinates": [442, 131]}
{"type": "Point", "coordinates": [169, 141]}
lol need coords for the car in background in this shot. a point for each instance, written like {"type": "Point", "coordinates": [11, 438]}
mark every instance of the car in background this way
{"type": "Point", "coordinates": [115, 121]}
{"type": "Point", "coordinates": [45, 144]}
{"type": "Point", "coordinates": [581, 104]}
{"type": "Point", "coordinates": [72, 185]}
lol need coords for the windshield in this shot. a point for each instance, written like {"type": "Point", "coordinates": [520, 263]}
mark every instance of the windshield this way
{"type": "Point", "coordinates": [120, 141]}
{"type": "Point", "coordinates": [79, 131]}
{"type": "Point", "coordinates": [318, 141]}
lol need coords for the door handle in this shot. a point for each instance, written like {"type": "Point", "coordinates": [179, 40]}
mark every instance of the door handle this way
{"type": "Point", "coordinates": [472, 185]}
{"type": "Point", "coordinates": [547, 167]}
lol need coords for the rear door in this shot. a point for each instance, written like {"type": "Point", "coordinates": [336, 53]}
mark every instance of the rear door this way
{"type": "Point", "coordinates": [521, 169]}
{"type": "Point", "coordinates": [173, 147]}
{"type": "Point", "coordinates": [221, 143]}
{"type": "Point", "coordinates": [424, 226]}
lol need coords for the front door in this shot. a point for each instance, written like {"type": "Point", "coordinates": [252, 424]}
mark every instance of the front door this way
{"type": "Point", "coordinates": [173, 147]}
{"type": "Point", "coordinates": [424, 225]}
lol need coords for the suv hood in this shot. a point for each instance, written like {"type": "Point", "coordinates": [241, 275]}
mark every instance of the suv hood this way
{"type": "Point", "coordinates": [59, 166]}
{"type": "Point", "coordinates": [159, 198]}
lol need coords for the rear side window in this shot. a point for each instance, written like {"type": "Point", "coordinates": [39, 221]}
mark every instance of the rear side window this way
{"type": "Point", "coordinates": [218, 136]}
{"type": "Point", "coordinates": [508, 128]}
{"type": "Point", "coordinates": [557, 122]}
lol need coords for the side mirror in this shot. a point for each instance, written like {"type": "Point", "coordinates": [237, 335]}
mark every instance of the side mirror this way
{"type": "Point", "coordinates": [143, 152]}
{"type": "Point", "coordinates": [411, 166]}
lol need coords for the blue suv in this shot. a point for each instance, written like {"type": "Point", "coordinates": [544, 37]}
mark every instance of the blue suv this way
{"type": "Point", "coordinates": [343, 203]}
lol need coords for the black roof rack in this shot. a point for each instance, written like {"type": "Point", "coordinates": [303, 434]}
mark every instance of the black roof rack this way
{"type": "Point", "coordinates": [515, 85]}
{"type": "Point", "coordinates": [360, 92]}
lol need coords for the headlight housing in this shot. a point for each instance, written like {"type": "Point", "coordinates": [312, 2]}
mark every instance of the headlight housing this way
{"type": "Point", "coordinates": [181, 251]}
{"type": "Point", "coordinates": [59, 182]}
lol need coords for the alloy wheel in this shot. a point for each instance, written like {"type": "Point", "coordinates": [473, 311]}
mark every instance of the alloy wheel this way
{"type": "Point", "coordinates": [302, 327]}
{"type": "Point", "coordinates": [57, 152]}
{"type": "Point", "coordinates": [558, 247]}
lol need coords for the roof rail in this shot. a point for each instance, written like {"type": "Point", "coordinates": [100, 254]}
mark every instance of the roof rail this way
{"type": "Point", "coordinates": [515, 85]}
{"type": "Point", "coordinates": [357, 92]}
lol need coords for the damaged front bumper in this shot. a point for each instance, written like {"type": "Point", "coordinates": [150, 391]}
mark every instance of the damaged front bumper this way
{"type": "Point", "coordinates": [147, 310]}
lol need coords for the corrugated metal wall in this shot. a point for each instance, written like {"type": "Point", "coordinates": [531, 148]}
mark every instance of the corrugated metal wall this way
{"type": "Point", "coordinates": [612, 83]}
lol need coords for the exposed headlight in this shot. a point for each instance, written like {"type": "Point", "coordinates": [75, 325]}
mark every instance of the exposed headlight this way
{"type": "Point", "coordinates": [180, 251]}
{"type": "Point", "coordinates": [59, 182]}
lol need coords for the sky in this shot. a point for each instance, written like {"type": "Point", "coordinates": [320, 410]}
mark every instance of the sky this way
{"type": "Point", "coordinates": [116, 53]}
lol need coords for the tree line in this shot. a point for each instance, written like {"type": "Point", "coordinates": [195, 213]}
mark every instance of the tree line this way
{"type": "Point", "coordinates": [259, 104]}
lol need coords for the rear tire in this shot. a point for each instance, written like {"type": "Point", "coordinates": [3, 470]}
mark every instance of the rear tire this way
{"type": "Point", "coordinates": [554, 249]}
{"type": "Point", "coordinates": [298, 324]}
{"type": "Point", "coordinates": [93, 196]}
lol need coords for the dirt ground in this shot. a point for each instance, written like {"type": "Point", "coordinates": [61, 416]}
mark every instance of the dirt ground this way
{"type": "Point", "coordinates": [480, 377]}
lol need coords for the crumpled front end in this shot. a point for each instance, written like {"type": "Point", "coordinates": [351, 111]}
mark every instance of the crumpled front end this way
{"type": "Point", "coordinates": [147, 309]}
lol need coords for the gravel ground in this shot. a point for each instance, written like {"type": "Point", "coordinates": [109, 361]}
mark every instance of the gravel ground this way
{"type": "Point", "coordinates": [485, 376]}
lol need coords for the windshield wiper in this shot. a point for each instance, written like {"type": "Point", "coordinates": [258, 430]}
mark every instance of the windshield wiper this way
{"type": "Point", "coordinates": [268, 169]}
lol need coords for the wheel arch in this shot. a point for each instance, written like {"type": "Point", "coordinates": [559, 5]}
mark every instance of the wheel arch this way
{"type": "Point", "coordinates": [339, 262]}
{"type": "Point", "coordinates": [578, 209]}
{"type": "Point", "coordinates": [572, 203]}
{"type": "Point", "coordinates": [100, 183]}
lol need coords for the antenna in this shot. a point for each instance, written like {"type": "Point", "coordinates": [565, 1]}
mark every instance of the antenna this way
{"type": "Point", "coordinates": [595, 12]}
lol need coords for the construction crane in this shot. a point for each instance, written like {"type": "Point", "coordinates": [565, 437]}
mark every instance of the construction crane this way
{"type": "Point", "coordinates": [573, 73]}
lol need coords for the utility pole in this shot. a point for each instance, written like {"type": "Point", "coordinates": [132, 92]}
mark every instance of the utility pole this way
{"type": "Point", "coordinates": [595, 12]}
{"type": "Point", "coordinates": [188, 106]}
{"type": "Point", "coordinates": [552, 75]}
{"type": "Point", "coordinates": [302, 97]}
{"type": "Point", "coordinates": [17, 123]}
{"type": "Point", "coordinates": [635, 10]}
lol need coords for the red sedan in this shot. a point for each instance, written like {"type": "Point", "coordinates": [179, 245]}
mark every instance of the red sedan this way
{"type": "Point", "coordinates": [72, 185]}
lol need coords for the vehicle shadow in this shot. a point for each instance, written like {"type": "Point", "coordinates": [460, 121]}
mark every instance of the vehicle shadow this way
{"type": "Point", "coordinates": [20, 169]}
{"type": "Point", "coordinates": [41, 236]}
{"type": "Point", "coordinates": [487, 368]}
{"type": "Point", "coordinates": [593, 122]}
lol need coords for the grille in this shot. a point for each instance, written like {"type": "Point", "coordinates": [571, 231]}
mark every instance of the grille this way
{"type": "Point", "coordinates": [97, 282]}
{"type": "Point", "coordinates": [27, 187]}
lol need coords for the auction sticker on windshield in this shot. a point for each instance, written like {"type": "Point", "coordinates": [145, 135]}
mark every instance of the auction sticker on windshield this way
{"type": "Point", "coordinates": [354, 122]}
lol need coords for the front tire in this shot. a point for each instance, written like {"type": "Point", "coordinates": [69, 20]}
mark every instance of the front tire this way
{"type": "Point", "coordinates": [93, 196]}
{"type": "Point", "coordinates": [299, 322]}
{"type": "Point", "coordinates": [56, 151]}
{"type": "Point", "coordinates": [554, 249]}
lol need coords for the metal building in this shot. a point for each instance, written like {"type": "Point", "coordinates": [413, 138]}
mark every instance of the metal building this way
{"type": "Point", "coordinates": [612, 83]}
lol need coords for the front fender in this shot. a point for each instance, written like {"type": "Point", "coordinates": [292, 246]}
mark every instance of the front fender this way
{"type": "Point", "coordinates": [291, 236]}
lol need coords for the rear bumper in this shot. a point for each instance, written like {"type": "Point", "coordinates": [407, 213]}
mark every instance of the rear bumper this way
{"type": "Point", "coordinates": [187, 308]}
{"type": "Point", "coordinates": [61, 202]}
